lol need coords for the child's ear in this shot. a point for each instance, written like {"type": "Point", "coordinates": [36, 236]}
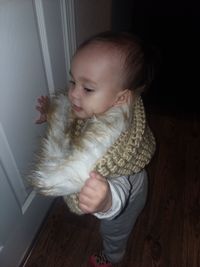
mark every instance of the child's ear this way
{"type": "Point", "coordinates": [123, 97]}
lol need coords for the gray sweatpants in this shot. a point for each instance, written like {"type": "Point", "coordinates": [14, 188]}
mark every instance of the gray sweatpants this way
{"type": "Point", "coordinates": [115, 233]}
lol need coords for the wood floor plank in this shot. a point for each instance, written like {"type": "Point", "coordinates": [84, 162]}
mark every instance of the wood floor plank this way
{"type": "Point", "coordinates": [166, 234]}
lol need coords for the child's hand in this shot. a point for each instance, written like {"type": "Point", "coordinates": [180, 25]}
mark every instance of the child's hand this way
{"type": "Point", "coordinates": [42, 107]}
{"type": "Point", "coordinates": [95, 195]}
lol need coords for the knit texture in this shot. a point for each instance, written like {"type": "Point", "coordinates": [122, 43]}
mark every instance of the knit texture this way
{"type": "Point", "coordinates": [131, 152]}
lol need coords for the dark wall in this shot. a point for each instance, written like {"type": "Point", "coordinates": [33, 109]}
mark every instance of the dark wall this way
{"type": "Point", "coordinates": [174, 30]}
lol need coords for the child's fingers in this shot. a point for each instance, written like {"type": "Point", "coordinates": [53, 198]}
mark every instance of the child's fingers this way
{"type": "Point", "coordinates": [41, 102]}
{"type": "Point", "coordinates": [40, 120]}
{"type": "Point", "coordinates": [42, 105]}
{"type": "Point", "coordinates": [96, 175]}
{"type": "Point", "coordinates": [39, 108]}
{"type": "Point", "coordinates": [94, 181]}
{"type": "Point", "coordinates": [42, 99]}
{"type": "Point", "coordinates": [37, 121]}
{"type": "Point", "coordinates": [45, 98]}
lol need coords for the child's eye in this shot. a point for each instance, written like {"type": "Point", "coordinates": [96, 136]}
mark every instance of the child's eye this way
{"type": "Point", "coordinates": [72, 82]}
{"type": "Point", "coordinates": [88, 90]}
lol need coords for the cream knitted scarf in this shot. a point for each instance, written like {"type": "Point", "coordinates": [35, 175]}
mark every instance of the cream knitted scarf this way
{"type": "Point", "coordinates": [131, 152]}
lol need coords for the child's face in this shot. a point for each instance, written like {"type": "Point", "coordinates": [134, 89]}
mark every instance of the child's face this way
{"type": "Point", "coordinates": [96, 81]}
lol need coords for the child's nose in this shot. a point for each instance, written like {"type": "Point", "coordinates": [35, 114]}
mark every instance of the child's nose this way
{"type": "Point", "coordinates": [76, 92]}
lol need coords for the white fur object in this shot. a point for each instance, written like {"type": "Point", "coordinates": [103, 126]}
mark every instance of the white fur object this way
{"type": "Point", "coordinates": [65, 166]}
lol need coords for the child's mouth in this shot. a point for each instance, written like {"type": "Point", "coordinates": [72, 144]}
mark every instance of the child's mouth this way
{"type": "Point", "coordinates": [76, 108]}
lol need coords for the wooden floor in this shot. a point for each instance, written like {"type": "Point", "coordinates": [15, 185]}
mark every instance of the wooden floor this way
{"type": "Point", "coordinates": [167, 233]}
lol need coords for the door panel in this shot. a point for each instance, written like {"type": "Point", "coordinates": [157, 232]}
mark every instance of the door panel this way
{"type": "Point", "coordinates": [11, 171]}
{"type": "Point", "coordinates": [8, 219]}
{"type": "Point", "coordinates": [24, 76]}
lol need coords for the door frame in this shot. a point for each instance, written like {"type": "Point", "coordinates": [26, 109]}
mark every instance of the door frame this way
{"type": "Point", "coordinates": [69, 36]}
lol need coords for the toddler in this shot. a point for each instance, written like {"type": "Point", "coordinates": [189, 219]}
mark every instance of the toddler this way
{"type": "Point", "coordinates": [98, 141]}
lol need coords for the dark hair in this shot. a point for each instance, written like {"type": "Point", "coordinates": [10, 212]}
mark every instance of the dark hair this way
{"type": "Point", "coordinates": [137, 64]}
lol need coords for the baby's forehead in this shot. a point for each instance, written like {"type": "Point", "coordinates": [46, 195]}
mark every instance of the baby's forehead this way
{"type": "Point", "coordinates": [101, 49]}
{"type": "Point", "coordinates": [98, 58]}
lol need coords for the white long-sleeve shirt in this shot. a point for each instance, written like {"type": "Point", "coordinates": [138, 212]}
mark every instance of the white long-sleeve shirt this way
{"type": "Point", "coordinates": [123, 189]}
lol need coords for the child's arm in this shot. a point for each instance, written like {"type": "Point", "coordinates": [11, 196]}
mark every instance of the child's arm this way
{"type": "Point", "coordinates": [95, 195]}
{"type": "Point", "coordinates": [104, 198]}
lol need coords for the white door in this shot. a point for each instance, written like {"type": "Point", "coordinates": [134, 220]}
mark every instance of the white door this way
{"type": "Point", "coordinates": [34, 56]}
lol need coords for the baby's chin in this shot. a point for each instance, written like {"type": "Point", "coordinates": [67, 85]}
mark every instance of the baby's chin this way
{"type": "Point", "coordinates": [81, 115]}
